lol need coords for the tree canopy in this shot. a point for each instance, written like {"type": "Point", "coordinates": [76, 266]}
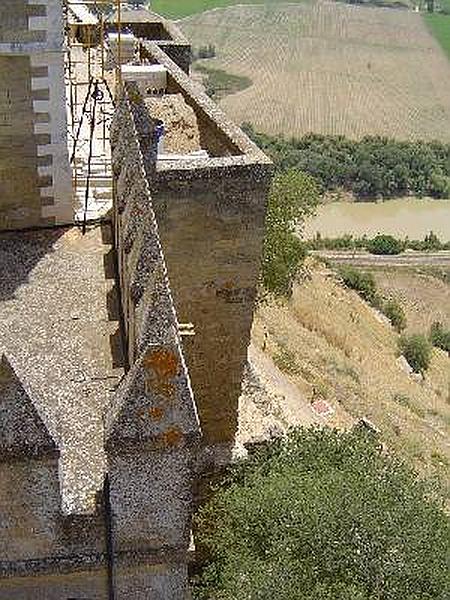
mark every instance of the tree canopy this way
{"type": "Point", "coordinates": [324, 515]}
{"type": "Point", "coordinates": [370, 167]}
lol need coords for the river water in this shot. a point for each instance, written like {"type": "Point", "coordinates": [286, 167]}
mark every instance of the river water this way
{"type": "Point", "coordinates": [402, 217]}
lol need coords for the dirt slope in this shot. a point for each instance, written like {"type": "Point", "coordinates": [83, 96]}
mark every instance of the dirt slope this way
{"type": "Point", "coordinates": [332, 345]}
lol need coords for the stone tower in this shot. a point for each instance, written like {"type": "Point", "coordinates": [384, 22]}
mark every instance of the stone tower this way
{"type": "Point", "coordinates": [35, 175]}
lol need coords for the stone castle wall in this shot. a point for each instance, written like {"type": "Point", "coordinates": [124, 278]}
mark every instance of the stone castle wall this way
{"type": "Point", "coordinates": [210, 215]}
{"type": "Point", "coordinates": [188, 237]}
{"type": "Point", "coordinates": [152, 432]}
{"type": "Point", "coordinates": [35, 176]}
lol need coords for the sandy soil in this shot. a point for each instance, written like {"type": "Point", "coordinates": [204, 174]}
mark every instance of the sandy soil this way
{"type": "Point", "coordinates": [181, 134]}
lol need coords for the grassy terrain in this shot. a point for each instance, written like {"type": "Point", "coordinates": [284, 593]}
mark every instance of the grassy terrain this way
{"type": "Point", "coordinates": [219, 83]}
{"type": "Point", "coordinates": [330, 68]}
{"type": "Point", "coordinates": [176, 9]}
{"type": "Point", "coordinates": [439, 25]}
{"type": "Point", "coordinates": [333, 345]}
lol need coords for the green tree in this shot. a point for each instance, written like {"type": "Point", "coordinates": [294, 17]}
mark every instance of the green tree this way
{"type": "Point", "coordinates": [369, 167]}
{"type": "Point", "coordinates": [293, 197]}
{"type": "Point", "coordinates": [417, 351]}
{"type": "Point", "coordinates": [385, 244]}
{"type": "Point", "coordinates": [323, 515]}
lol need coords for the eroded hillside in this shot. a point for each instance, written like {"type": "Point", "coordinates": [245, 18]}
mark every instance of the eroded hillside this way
{"type": "Point", "coordinates": [332, 345]}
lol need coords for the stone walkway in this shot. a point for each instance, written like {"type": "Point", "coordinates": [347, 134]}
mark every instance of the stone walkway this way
{"type": "Point", "coordinates": [57, 324]}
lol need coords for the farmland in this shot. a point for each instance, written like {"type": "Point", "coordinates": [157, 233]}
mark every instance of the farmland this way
{"type": "Point", "coordinates": [330, 68]}
{"type": "Point", "coordinates": [439, 25]}
{"type": "Point", "coordinates": [175, 9]}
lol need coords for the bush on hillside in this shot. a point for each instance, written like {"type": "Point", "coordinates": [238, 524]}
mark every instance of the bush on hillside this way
{"type": "Point", "coordinates": [417, 351]}
{"type": "Point", "coordinates": [363, 283]}
{"type": "Point", "coordinates": [323, 515]}
{"type": "Point", "coordinates": [440, 337]}
{"type": "Point", "coordinates": [396, 315]}
{"type": "Point", "coordinates": [385, 244]}
{"type": "Point", "coordinates": [208, 51]}
{"type": "Point", "coordinates": [293, 197]}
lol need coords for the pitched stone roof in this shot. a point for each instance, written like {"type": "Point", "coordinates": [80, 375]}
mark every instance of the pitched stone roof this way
{"type": "Point", "coordinates": [23, 433]}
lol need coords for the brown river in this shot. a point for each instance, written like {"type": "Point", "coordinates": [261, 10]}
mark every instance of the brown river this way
{"type": "Point", "coordinates": [404, 217]}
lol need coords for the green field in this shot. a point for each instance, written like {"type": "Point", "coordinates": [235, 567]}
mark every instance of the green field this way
{"type": "Point", "coordinates": [440, 27]}
{"type": "Point", "coordinates": [176, 9]}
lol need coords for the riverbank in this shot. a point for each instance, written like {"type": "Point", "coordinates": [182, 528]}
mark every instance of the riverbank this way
{"type": "Point", "coordinates": [401, 217]}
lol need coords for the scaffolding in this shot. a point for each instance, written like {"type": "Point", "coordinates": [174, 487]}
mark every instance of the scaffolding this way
{"type": "Point", "coordinates": [90, 100]}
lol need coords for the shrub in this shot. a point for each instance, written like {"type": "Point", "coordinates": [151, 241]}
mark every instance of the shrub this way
{"type": "Point", "coordinates": [323, 515]}
{"type": "Point", "coordinates": [440, 337]}
{"type": "Point", "coordinates": [385, 244]}
{"type": "Point", "coordinates": [208, 51]}
{"type": "Point", "coordinates": [363, 283]}
{"type": "Point", "coordinates": [396, 315]}
{"type": "Point", "coordinates": [417, 351]}
{"type": "Point", "coordinates": [293, 197]}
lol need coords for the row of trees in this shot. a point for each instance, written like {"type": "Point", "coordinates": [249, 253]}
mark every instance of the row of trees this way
{"type": "Point", "coordinates": [380, 244]}
{"type": "Point", "coordinates": [371, 167]}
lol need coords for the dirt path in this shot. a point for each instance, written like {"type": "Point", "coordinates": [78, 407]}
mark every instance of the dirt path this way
{"type": "Point", "coordinates": [438, 259]}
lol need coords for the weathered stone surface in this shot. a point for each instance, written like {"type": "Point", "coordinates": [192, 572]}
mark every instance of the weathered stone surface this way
{"type": "Point", "coordinates": [23, 433]}
{"type": "Point", "coordinates": [54, 323]}
{"type": "Point", "coordinates": [113, 510]}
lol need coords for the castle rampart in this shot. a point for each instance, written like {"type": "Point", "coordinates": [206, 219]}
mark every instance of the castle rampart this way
{"type": "Point", "coordinates": [210, 212]}
{"type": "Point", "coordinates": [98, 457]}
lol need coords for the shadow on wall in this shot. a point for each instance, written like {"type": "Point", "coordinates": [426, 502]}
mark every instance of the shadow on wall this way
{"type": "Point", "coordinates": [19, 255]}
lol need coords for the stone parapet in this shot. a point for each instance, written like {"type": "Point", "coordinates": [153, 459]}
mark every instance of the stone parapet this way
{"type": "Point", "coordinates": [151, 429]}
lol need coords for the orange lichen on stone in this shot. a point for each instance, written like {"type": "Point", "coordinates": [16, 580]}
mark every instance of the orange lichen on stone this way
{"type": "Point", "coordinates": [156, 413]}
{"type": "Point", "coordinates": [161, 366]}
{"type": "Point", "coordinates": [172, 437]}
